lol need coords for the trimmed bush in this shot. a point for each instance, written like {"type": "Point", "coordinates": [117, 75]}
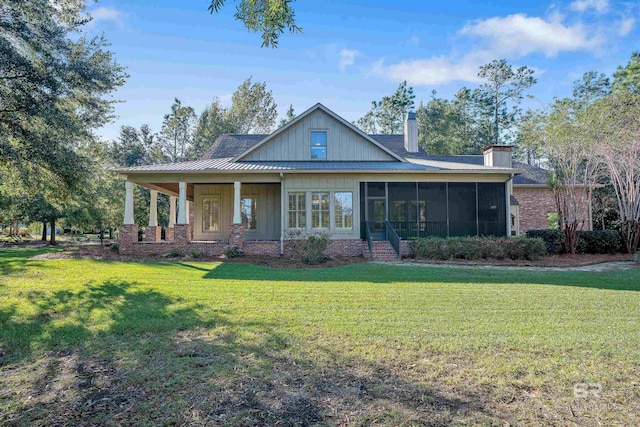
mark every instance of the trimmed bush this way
{"type": "Point", "coordinates": [589, 242]}
{"type": "Point", "coordinates": [474, 248]}
{"type": "Point", "coordinates": [552, 238]}
{"type": "Point", "coordinates": [195, 254]}
{"type": "Point", "coordinates": [600, 242]}
{"type": "Point", "coordinates": [174, 253]}
{"type": "Point", "coordinates": [234, 252]}
{"type": "Point", "coordinates": [114, 247]}
{"type": "Point", "coordinates": [314, 248]}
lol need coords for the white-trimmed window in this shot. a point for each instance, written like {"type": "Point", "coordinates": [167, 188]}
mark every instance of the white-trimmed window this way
{"type": "Point", "coordinates": [319, 210]}
{"type": "Point", "coordinates": [343, 210]}
{"type": "Point", "coordinates": [297, 212]}
{"type": "Point", "coordinates": [248, 212]}
{"type": "Point", "coordinates": [318, 145]}
{"type": "Point", "coordinates": [211, 215]}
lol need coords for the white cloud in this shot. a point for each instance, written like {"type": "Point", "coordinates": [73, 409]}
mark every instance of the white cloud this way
{"type": "Point", "coordinates": [520, 35]}
{"type": "Point", "coordinates": [511, 37]}
{"type": "Point", "coordinates": [347, 58]}
{"type": "Point", "coordinates": [106, 14]}
{"type": "Point", "coordinates": [626, 26]}
{"type": "Point", "coordinates": [431, 71]}
{"type": "Point", "coordinates": [599, 6]}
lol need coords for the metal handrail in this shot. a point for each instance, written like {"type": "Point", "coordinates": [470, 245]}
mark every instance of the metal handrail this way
{"type": "Point", "coordinates": [367, 233]}
{"type": "Point", "coordinates": [392, 237]}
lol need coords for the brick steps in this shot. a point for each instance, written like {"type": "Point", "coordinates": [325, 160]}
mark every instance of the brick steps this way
{"type": "Point", "coordinates": [382, 251]}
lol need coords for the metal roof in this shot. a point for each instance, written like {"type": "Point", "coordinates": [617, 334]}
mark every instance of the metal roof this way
{"type": "Point", "coordinates": [226, 164]}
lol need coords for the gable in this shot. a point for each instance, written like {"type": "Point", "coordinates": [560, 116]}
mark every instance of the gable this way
{"type": "Point", "coordinates": [294, 142]}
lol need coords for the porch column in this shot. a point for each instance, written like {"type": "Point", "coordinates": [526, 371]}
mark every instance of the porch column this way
{"type": "Point", "coordinates": [153, 209]}
{"type": "Point", "coordinates": [169, 233]}
{"type": "Point", "coordinates": [182, 230]}
{"type": "Point", "coordinates": [128, 203]}
{"type": "Point", "coordinates": [152, 232]}
{"type": "Point", "coordinates": [182, 203]}
{"type": "Point", "coordinates": [128, 231]}
{"type": "Point", "coordinates": [236, 230]}
{"type": "Point", "coordinates": [237, 219]}
{"type": "Point", "coordinates": [172, 211]}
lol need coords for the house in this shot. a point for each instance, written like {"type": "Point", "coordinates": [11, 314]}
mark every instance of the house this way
{"type": "Point", "coordinates": [321, 173]}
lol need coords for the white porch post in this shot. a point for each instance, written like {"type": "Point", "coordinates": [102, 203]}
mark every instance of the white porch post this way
{"type": "Point", "coordinates": [128, 203]}
{"type": "Point", "coordinates": [237, 219]}
{"type": "Point", "coordinates": [172, 211]}
{"type": "Point", "coordinates": [188, 212]}
{"type": "Point", "coordinates": [153, 209]}
{"type": "Point", "coordinates": [182, 203]}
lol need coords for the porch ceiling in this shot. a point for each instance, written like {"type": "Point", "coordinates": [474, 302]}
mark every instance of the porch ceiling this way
{"type": "Point", "coordinates": [168, 188]}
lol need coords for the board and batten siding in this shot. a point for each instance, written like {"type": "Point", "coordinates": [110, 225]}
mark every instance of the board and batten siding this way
{"type": "Point", "coordinates": [295, 143]}
{"type": "Point", "coordinates": [267, 198]}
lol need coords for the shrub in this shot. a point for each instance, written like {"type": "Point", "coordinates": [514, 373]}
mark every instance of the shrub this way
{"type": "Point", "coordinates": [430, 248]}
{"type": "Point", "coordinates": [114, 247]}
{"type": "Point", "coordinates": [174, 253]}
{"type": "Point", "coordinates": [314, 248]}
{"type": "Point", "coordinates": [473, 248]}
{"type": "Point", "coordinates": [309, 248]}
{"type": "Point", "coordinates": [195, 253]}
{"type": "Point", "coordinates": [295, 243]}
{"type": "Point", "coordinates": [233, 252]}
{"type": "Point", "coordinates": [552, 239]}
{"type": "Point", "coordinates": [590, 242]}
{"type": "Point", "coordinates": [23, 232]}
{"type": "Point", "coordinates": [600, 242]}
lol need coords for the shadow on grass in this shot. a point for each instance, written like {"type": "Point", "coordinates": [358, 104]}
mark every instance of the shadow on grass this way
{"type": "Point", "coordinates": [14, 260]}
{"type": "Point", "coordinates": [377, 273]}
{"type": "Point", "coordinates": [160, 360]}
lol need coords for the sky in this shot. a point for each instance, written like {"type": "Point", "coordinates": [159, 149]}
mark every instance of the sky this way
{"type": "Point", "coordinates": [353, 52]}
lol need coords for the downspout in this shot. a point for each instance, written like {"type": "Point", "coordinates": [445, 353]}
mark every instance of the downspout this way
{"type": "Point", "coordinates": [282, 213]}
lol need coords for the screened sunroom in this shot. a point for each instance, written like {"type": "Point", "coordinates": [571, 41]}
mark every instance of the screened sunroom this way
{"type": "Point", "coordinates": [444, 209]}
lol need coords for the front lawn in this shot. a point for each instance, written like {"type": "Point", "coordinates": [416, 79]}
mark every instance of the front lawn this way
{"type": "Point", "coordinates": [100, 342]}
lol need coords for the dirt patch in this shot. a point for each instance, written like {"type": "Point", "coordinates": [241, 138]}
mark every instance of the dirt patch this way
{"type": "Point", "coordinates": [104, 253]}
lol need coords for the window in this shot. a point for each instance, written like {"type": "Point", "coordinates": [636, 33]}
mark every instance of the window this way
{"type": "Point", "coordinates": [210, 215]}
{"type": "Point", "coordinates": [319, 210]}
{"type": "Point", "coordinates": [297, 210]}
{"type": "Point", "coordinates": [318, 145]}
{"type": "Point", "coordinates": [343, 210]}
{"type": "Point", "coordinates": [248, 213]}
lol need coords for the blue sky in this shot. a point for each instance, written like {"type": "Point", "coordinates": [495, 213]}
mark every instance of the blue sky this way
{"type": "Point", "coordinates": [353, 52]}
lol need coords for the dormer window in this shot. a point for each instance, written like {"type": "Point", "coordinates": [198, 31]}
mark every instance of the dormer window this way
{"type": "Point", "coordinates": [318, 145]}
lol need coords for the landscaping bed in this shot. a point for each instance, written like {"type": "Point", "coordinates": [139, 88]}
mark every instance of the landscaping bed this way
{"type": "Point", "coordinates": [564, 260]}
{"type": "Point", "coordinates": [104, 253]}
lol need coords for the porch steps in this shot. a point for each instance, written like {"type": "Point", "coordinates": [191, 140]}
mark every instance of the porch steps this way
{"type": "Point", "coordinates": [382, 251]}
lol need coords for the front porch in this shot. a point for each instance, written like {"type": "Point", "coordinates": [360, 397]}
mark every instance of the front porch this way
{"type": "Point", "coordinates": [206, 218]}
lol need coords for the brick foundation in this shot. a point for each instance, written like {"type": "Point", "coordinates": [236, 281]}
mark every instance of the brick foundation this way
{"type": "Point", "coordinates": [152, 233]}
{"type": "Point", "coordinates": [128, 242]}
{"type": "Point", "coordinates": [168, 234]}
{"type": "Point", "coordinates": [128, 238]}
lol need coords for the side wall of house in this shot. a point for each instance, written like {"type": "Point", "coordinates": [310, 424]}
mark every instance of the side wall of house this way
{"type": "Point", "coordinates": [295, 143]}
{"type": "Point", "coordinates": [535, 206]}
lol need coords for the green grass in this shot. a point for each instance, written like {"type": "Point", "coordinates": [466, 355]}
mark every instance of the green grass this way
{"type": "Point", "coordinates": [238, 344]}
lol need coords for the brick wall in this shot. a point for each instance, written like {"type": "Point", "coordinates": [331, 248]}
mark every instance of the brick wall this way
{"type": "Point", "coordinates": [266, 247]}
{"type": "Point", "coordinates": [535, 205]}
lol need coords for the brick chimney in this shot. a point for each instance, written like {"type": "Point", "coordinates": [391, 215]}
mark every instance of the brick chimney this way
{"type": "Point", "coordinates": [411, 133]}
{"type": "Point", "coordinates": [498, 156]}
